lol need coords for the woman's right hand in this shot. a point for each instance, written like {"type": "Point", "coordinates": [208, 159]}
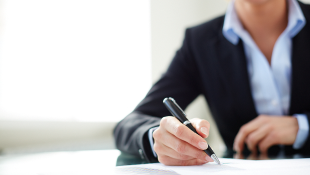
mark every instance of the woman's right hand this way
{"type": "Point", "coordinates": [176, 144]}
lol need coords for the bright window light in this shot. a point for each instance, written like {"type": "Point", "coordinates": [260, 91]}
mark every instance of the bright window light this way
{"type": "Point", "coordinates": [73, 60]}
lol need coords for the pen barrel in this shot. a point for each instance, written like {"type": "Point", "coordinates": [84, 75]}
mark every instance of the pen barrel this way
{"type": "Point", "coordinates": [175, 109]}
{"type": "Point", "coordinates": [191, 127]}
{"type": "Point", "coordinates": [209, 150]}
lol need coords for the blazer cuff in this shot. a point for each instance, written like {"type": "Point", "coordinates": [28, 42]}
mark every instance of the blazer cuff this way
{"type": "Point", "coordinates": [305, 148]}
{"type": "Point", "coordinates": [303, 131]}
{"type": "Point", "coordinates": [146, 151]}
{"type": "Point", "coordinates": [150, 134]}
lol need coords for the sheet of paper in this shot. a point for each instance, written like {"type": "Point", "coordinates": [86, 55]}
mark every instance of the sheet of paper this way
{"type": "Point", "coordinates": [229, 166]}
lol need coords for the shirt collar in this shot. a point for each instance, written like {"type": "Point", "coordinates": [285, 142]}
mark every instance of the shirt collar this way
{"type": "Point", "coordinates": [233, 29]}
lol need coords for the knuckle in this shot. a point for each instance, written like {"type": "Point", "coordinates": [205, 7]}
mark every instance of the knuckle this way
{"type": "Point", "coordinates": [270, 127]}
{"type": "Point", "coordinates": [163, 121]}
{"type": "Point", "coordinates": [183, 157]}
{"type": "Point", "coordinates": [243, 129]}
{"type": "Point", "coordinates": [179, 130]}
{"type": "Point", "coordinates": [274, 136]}
{"type": "Point", "coordinates": [156, 134]}
{"type": "Point", "coordinates": [251, 139]}
{"type": "Point", "coordinates": [157, 148]}
{"type": "Point", "coordinates": [262, 147]}
{"type": "Point", "coordinates": [180, 147]}
{"type": "Point", "coordinates": [194, 140]}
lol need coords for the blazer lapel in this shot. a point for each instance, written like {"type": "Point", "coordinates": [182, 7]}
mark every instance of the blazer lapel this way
{"type": "Point", "coordinates": [234, 71]}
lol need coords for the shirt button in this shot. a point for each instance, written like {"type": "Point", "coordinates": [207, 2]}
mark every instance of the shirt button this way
{"type": "Point", "coordinates": [274, 102]}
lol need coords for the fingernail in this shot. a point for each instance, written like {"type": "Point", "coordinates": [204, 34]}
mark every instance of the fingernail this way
{"type": "Point", "coordinates": [209, 159]}
{"type": "Point", "coordinates": [204, 130]}
{"type": "Point", "coordinates": [203, 145]}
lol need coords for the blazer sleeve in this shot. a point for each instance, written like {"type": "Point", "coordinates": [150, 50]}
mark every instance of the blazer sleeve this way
{"type": "Point", "coordinates": [181, 81]}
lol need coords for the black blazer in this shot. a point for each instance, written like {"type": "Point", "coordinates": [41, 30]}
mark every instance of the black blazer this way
{"type": "Point", "coordinates": [208, 64]}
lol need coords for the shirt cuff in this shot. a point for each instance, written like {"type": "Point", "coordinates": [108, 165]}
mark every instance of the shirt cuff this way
{"type": "Point", "coordinates": [303, 131]}
{"type": "Point", "coordinates": [150, 134]}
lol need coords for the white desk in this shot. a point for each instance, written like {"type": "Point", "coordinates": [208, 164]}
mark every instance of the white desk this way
{"type": "Point", "coordinates": [60, 163]}
{"type": "Point", "coordinates": [104, 162]}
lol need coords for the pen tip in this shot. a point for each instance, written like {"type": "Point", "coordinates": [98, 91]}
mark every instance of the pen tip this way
{"type": "Point", "coordinates": [215, 158]}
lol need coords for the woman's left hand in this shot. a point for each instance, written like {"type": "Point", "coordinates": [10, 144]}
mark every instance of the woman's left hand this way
{"type": "Point", "coordinates": [265, 131]}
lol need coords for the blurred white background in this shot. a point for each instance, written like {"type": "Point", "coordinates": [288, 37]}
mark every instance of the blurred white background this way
{"type": "Point", "coordinates": [68, 60]}
{"type": "Point", "coordinates": [70, 69]}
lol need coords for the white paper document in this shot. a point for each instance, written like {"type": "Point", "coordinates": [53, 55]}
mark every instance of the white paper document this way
{"type": "Point", "coordinates": [229, 166]}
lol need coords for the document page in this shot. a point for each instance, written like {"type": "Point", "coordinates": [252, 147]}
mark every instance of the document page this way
{"type": "Point", "coordinates": [229, 166]}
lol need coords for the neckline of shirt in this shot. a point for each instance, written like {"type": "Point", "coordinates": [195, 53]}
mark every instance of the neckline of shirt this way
{"type": "Point", "coordinates": [233, 29]}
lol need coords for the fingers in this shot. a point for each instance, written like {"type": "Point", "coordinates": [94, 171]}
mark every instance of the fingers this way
{"type": "Point", "coordinates": [256, 136]}
{"type": "Point", "coordinates": [177, 147]}
{"type": "Point", "coordinates": [266, 131]}
{"type": "Point", "coordinates": [267, 142]}
{"type": "Point", "coordinates": [175, 144]}
{"type": "Point", "coordinates": [173, 126]}
{"type": "Point", "coordinates": [201, 126]}
{"type": "Point", "coordinates": [167, 151]}
{"type": "Point", "coordinates": [162, 149]}
{"type": "Point", "coordinates": [245, 130]}
{"type": "Point", "coordinates": [171, 161]}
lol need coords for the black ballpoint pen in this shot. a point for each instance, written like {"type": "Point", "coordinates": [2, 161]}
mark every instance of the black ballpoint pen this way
{"type": "Point", "coordinates": [177, 112]}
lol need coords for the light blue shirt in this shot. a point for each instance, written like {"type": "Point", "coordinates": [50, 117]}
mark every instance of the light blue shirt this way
{"type": "Point", "coordinates": [270, 84]}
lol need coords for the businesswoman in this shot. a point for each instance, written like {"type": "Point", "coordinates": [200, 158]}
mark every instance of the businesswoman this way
{"type": "Point", "coordinates": [252, 65]}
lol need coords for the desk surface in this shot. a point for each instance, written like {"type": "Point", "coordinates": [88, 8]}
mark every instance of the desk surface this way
{"type": "Point", "coordinates": [75, 162]}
